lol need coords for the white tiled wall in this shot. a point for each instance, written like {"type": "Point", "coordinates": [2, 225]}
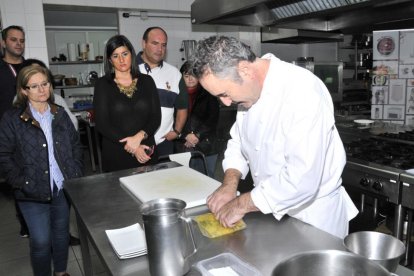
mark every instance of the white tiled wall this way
{"type": "Point", "coordinates": [178, 29]}
{"type": "Point", "coordinates": [29, 15]}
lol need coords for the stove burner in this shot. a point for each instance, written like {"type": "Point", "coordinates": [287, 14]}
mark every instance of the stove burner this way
{"type": "Point", "coordinates": [405, 135]}
{"type": "Point", "coordinates": [387, 153]}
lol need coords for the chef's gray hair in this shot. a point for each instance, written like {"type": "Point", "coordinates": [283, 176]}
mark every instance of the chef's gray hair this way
{"type": "Point", "coordinates": [220, 55]}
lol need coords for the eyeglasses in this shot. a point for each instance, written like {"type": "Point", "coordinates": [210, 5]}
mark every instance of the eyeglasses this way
{"type": "Point", "coordinates": [36, 86]}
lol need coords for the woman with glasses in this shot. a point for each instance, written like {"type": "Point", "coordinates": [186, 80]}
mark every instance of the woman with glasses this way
{"type": "Point", "coordinates": [39, 150]}
{"type": "Point", "coordinates": [127, 109]}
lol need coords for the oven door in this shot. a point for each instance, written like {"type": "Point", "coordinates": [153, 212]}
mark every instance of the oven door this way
{"type": "Point", "coordinates": [377, 181]}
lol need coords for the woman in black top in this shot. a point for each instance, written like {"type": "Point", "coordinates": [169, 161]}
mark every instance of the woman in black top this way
{"type": "Point", "coordinates": [127, 109]}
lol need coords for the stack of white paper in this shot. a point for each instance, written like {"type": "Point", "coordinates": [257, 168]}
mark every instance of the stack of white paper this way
{"type": "Point", "coordinates": [128, 242]}
{"type": "Point", "coordinates": [410, 171]}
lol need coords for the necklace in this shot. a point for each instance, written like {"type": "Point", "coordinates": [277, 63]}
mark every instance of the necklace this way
{"type": "Point", "coordinates": [127, 90]}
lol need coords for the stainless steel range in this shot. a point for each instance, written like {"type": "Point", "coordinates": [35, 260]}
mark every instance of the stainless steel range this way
{"type": "Point", "coordinates": [407, 201]}
{"type": "Point", "coordinates": [377, 161]}
{"type": "Point", "coordinates": [374, 166]}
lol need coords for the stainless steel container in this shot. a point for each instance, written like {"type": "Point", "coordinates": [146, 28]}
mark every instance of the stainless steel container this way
{"type": "Point", "coordinates": [383, 249]}
{"type": "Point", "coordinates": [169, 236]}
{"type": "Point", "coordinates": [328, 263]}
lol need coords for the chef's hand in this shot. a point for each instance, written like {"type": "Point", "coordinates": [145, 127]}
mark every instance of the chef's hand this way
{"type": "Point", "coordinates": [220, 197]}
{"type": "Point", "coordinates": [141, 155]}
{"type": "Point", "coordinates": [235, 210]}
{"type": "Point", "coordinates": [226, 192]}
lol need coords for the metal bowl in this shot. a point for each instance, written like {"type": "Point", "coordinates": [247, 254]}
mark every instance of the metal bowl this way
{"type": "Point", "coordinates": [328, 263]}
{"type": "Point", "coordinates": [383, 249]}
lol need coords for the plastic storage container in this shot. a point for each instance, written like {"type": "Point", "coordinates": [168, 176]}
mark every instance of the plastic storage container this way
{"type": "Point", "coordinates": [226, 262]}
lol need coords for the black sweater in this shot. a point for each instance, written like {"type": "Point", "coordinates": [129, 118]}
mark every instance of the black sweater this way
{"type": "Point", "coordinates": [7, 85]}
{"type": "Point", "coordinates": [117, 117]}
{"type": "Point", "coordinates": [202, 121]}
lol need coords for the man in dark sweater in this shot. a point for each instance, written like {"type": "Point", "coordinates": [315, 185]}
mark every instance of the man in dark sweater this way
{"type": "Point", "coordinates": [13, 44]}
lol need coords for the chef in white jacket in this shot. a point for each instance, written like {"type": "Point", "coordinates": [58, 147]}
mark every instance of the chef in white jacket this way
{"type": "Point", "coordinates": [284, 134]}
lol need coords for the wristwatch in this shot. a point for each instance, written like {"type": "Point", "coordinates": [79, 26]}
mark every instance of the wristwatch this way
{"type": "Point", "coordinates": [177, 132]}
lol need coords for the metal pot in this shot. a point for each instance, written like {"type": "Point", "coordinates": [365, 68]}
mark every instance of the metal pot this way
{"type": "Point", "coordinates": [92, 77]}
{"type": "Point", "coordinates": [383, 249]}
{"type": "Point", "coordinates": [328, 263]}
{"type": "Point", "coordinates": [71, 81]}
{"type": "Point", "coordinates": [169, 236]}
{"type": "Point", "coordinates": [58, 80]}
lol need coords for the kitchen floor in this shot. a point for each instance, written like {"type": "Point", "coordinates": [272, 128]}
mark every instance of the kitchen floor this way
{"type": "Point", "coordinates": [14, 250]}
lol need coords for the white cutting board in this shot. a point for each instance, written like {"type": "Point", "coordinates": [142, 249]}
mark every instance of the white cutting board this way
{"type": "Point", "coordinates": [180, 182]}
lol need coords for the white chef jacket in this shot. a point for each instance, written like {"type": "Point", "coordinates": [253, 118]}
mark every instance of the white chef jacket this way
{"type": "Point", "coordinates": [289, 141]}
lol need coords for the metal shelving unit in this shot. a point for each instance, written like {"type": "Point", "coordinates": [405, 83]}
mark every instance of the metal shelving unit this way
{"type": "Point", "coordinates": [76, 62]}
{"type": "Point", "coordinates": [356, 88]}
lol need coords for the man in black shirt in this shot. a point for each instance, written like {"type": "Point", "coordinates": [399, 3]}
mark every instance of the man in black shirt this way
{"type": "Point", "coordinates": [13, 44]}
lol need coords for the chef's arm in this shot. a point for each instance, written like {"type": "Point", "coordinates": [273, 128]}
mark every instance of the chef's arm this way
{"type": "Point", "coordinates": [231, 179]}
{"type": "Point", "coordinates": [246, 203]}
{"type": "Point", "coordinates": [233, 156]}
{"type": "Point", "coordinates": [235, 210]}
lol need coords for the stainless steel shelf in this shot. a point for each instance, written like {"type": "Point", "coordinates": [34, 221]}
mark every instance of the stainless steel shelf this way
{"type": "Point", "coordinates": [76, 62]}
{"type": "Point", "coordinates": [362, 102]}
{"type": "Point", "coordinates": [353, 48]}
{"type": "Point", "coordinates": [73, 86]}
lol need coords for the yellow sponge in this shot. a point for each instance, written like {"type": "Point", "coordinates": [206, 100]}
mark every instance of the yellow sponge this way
{"type": "Point", "coordinates": [211, 227]}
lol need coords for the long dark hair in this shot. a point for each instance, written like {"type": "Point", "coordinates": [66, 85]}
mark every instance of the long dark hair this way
{"type": "Point", "coordinates": [114, 43]}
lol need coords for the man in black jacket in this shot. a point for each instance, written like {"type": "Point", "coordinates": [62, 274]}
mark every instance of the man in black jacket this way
{"type": "Point", "coordinates": [13, 45]}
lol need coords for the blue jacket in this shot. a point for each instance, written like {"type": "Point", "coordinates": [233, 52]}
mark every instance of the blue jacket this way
{"type": "Point", "coordinates": [24, 157]}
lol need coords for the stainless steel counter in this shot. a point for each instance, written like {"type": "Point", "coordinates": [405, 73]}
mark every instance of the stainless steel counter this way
{"type": "Point", "coordinates": [350, 129]}
{"type": "Point", "coordinates": [101, 203]}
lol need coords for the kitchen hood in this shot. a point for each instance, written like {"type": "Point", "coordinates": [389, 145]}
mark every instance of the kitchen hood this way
{"type": "Point", "coordinates": [309, 20]}
{"type": "Point", "coordinates": [292, 36]}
